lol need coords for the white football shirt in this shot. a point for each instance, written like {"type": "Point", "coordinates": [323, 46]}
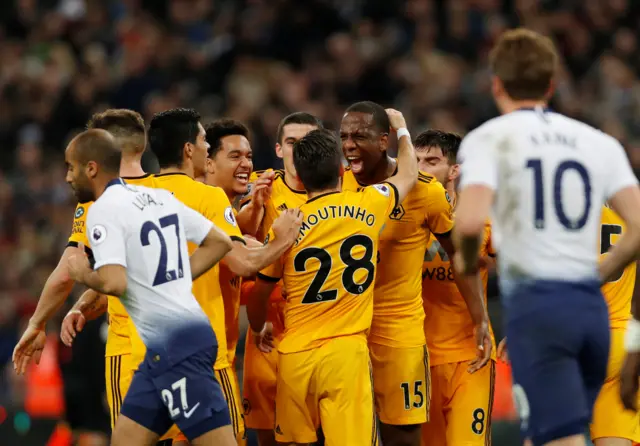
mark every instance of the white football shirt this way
{"type": "Point", "coordinates": [551, 175]}
{"type": "Point", "coordinates": [146, 230]}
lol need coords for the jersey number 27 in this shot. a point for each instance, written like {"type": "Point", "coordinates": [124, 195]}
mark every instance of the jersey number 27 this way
{"type": "Point", "coordinates": [314, 294]}
{"type": "Point", "coordinates": [163, 275]}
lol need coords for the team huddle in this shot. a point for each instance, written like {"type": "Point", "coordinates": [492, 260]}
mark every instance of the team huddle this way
{"type": "Point", "coordinates": [364, 286]}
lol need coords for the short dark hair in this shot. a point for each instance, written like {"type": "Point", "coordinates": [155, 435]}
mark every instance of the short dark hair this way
{"type": "Point", "coordinates": [449, 143]}
{"type": "Point", "coordinates": [297, 118]}
{"type": "Point", "coordinates": [220, 128]}
{"type": "Point", "coordinates": [526, 62]}
{"type": "Point", "coordinates": [127, 126]}
{"type": "Point", "coordinates": [100, 146]}
{"type": "Point", "coordinates": [380, 117]}
{"type": "Point", "coordinates": [169, 131]}
{"type": "Point", "coordinates": [317, 158]}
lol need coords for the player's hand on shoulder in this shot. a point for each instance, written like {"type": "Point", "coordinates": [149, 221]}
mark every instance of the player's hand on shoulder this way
{"type": "Point", "coordinates": [72, 324]}
{"type": "Point", "coordinates": [396, 119]}
{"type": "Point", "coordinates": [629, 381]}
{"type": "Point", "coordinates": [287, 225]}
{"type": "Point", "coordinates": [78, 264]}
{"type": "Point", "coordinates": [29, 347]}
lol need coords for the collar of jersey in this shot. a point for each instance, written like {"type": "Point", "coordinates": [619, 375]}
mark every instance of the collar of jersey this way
{"type": "Point", "coordinates": [538, 109]}
{"type": "Point", "coordinates": [114, 182]}
{"type": "Point", "coordinates": [322, 195]}
{"type": "Point", "coordinates": [172, 173]}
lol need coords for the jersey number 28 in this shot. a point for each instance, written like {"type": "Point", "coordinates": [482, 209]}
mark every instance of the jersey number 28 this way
{"type": "Point", "coordinates": [163, 275]}
{"type": "Point", "coordinates": [314, 294]}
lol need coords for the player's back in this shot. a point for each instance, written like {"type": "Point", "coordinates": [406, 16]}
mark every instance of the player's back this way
{"type": "Point", "coordinates": [329, 272]}
{"type": "Point", "coordinates": [154, 242]}
{"type": "Point", "coordinates": [618, 291]}
{"type": "Point", "coordinates": [552, 175]}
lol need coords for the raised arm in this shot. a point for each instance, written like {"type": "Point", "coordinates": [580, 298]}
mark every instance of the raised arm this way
{"type": "Point", "coordinates": [245, 261]}
{"type": "Point", "coordinates": [407, 174]}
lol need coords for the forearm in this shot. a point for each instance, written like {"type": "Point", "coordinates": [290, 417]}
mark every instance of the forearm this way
{"type": "Point", "coordinates": [55, 292]}
{"type": "Point", "coordinates": [204, 258]}
{"type": "Point", "coordinates": [469, 247]}
{"type": "Point", "coordinates": [471, 289]}
{"type": "Point", "coordinates": [249, 219]}
{"type": "Point", "coordinates": [635, 300]}
{"type": "Point", "coordinates": [407, 162]}
{"type": "Point", "coordinates": [623, 253]}
{"type": "Point", "coordinates": [248, 261]}
{"type": "Point", "coordinates": [91, 304]}
{"type": "Point", "coordinates": [258, 305]}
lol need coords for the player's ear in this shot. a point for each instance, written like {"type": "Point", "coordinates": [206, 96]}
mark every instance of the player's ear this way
{"type": "Point", "coordinates": [384, 142]}
{"type": "Point", "coordinates": [341, 170]}
{"type": "Point", "coordinates": [552, 87]}
{"type": "Point", "coordinates": [454, 172]}
{"type": "Point", "coordinates": [188, 150]}
{"type": "Point", "coordinates": [91, 169]}
{"type": "Point", "coordinates": [279, 153]}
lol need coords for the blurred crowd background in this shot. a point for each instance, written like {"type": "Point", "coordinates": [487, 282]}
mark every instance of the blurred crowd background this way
{"type": "Point", "coordinates": [257, 60]}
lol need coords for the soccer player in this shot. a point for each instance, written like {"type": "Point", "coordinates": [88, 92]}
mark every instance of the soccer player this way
{"type": "Point", "coordinates": [461, 395]}
{"type": "Point", "coordinates": [546, 177]}
{"type": "Point", "coordinates": [128, 128]}
{"type": "Point", "coordinates": [397, 342]}
{"type": "Point", "coordinates": [229, 167]}
{"type": "Point", "coordinates": [139, 239]}
{"type": "Point", "coordinates": [287, 192]}
{"type": "Point", "coordinates": [323, 367]}
{"type": "Point", "coordinates": [179, 142]}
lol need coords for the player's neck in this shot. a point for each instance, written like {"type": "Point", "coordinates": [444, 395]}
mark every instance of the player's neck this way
{"type": "Point", "coordinates": [511, 106]}
{"type": "Point", "coordinates": [131, 166]}
{"type": "Point", "coordinates": [385, 169]}
{"type": "Point", "coordinates": [100, 184]}
{"type": "Point", "coordinates": [311, 195]}
{"type": "Point", "coordinates": [451, 190]}
{"type": "Point", "coordinates": [187, 170]}
{"type": "Point", "coordinates": [293, 181]}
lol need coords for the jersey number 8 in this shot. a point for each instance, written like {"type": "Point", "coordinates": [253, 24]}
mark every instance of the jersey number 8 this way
{"type": "Point", "coordinates": [162, 274]}
{"type": "Point", "coordinates": [313, 294]}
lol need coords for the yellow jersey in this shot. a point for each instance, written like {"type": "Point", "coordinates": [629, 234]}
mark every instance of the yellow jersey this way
{"type": "Point", "coordinates": [214, 204]}
{"type": "Point", "coordinates": [330, 270]}
{"type": "Point", "coordinates": [282, 197]}
{"type": "Point", "coordinates": [447, 324]}
{"type": "Point", "coordinates": [231, 287]}
{"type": "Point", "coordinates": [398, 316]}
{"type": "Point", "coordinates": [619, 291]}
{"type": "Point", "coordinates": [121, 330]}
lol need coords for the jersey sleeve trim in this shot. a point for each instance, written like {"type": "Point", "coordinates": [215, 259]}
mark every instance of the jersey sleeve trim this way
{"type": "Point", "coordinates": [492, 254]}
{"type": "Point", "coordinates": [267, 278]}
{"type": "Point", "coordinates": [395, 194]}
{"type": "Point", "coordinates": [76, 245]}
{"type": "Point", "coordinates": [235, 238]}
{"type": "Point", "coordinates": [106, 262]}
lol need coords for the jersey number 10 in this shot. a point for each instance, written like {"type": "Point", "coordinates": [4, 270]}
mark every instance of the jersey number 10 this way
{"type": "Point", "coordinates": [313, 294]}
{"type": "Point", "coordinates": [538, 184]}
{"type": "Point", "coordinates": [162, 274]}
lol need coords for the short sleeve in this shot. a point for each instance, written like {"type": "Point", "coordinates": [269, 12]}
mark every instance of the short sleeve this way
{"type": "Point", "coordinates": [218, 209]}
{"type": "Point", "coordinates": [273, 272]}
{"type": "Point", "coordinates": [477, 160]}
{"type": "Point", "coordinates": [380, 199]}
{"type": "Point", "coordinates": [487, 240]}
{"type": "Point", "coordinates": [196, 226]}
{"type": "Point", "coordinates": [621, 175]}
{"type": "Point", "coordinates": [79, 228]}
{"type": "Point", "coordinates": [107, 236]}
{"type": "Point", "coordinates": [439, 209]}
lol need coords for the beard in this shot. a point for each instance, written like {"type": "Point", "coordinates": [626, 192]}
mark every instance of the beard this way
{"type": "Point", "coordinates": [84, 195]}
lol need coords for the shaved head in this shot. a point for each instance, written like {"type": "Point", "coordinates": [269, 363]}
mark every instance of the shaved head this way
{"type": "Point", "coordinates": [99, 146]}
{"type": "Point", "coordinates": [90, 155]}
